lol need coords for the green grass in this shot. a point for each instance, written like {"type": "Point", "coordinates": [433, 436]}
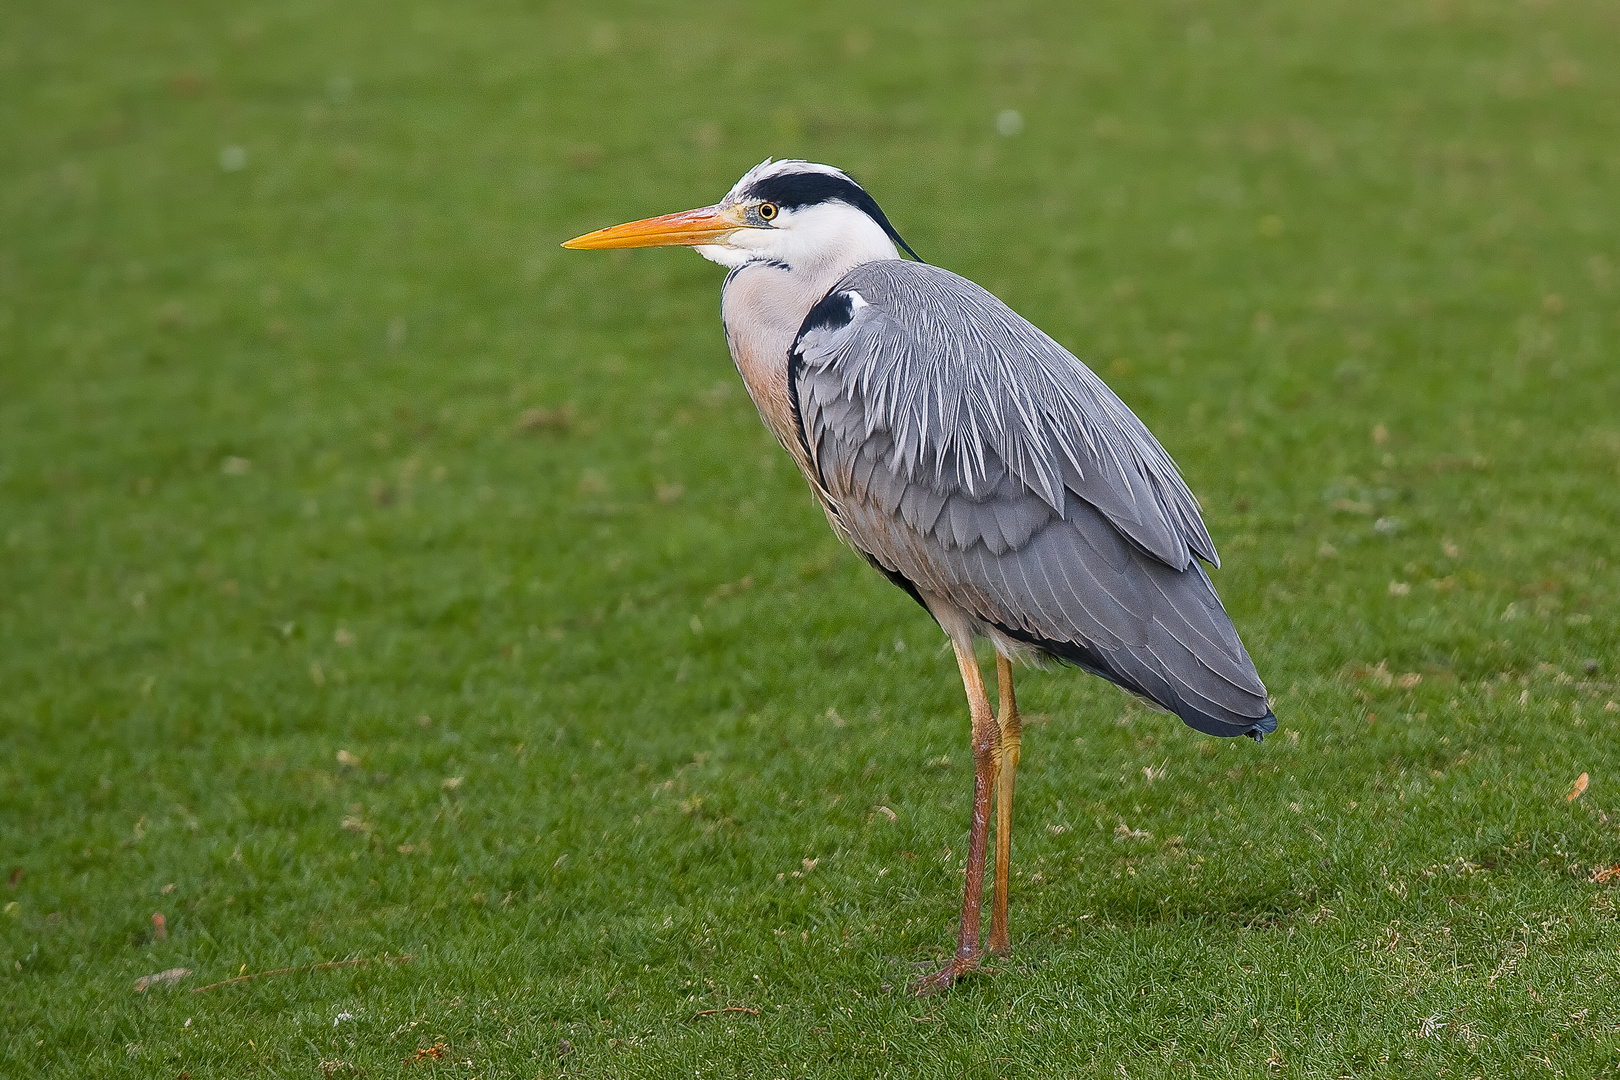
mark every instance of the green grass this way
{"type": "Point", "coordinates": [378, 579]}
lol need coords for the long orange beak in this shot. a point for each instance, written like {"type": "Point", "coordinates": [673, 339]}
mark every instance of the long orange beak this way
{"type": "Point", "coordinates": [690, 227]}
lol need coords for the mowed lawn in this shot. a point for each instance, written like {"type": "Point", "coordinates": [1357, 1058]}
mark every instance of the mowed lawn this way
{"type": "Point", "coordinates": [380, 581]}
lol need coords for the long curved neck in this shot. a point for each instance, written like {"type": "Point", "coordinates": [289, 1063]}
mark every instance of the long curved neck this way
{"type": "Point", "coordinates": [782, 273]}
{"type": "Point", "coordinates": [762, 306]}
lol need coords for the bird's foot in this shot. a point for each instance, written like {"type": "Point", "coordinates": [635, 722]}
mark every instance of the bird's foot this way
{"type": "Point", "coordinates": [947, 976]}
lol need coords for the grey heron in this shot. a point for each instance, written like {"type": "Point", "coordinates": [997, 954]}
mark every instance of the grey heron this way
{"type": "Point", "coordinates": [977, 464]}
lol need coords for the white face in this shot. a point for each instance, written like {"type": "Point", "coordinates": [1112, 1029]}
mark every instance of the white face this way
{"type": "Point", "coordinates": [823, 238]}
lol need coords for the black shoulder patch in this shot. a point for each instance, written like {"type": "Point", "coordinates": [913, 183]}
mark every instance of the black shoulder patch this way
{"type": "Point", "coordinates": [796, 189]}
{"type": "Point", "coordinates": [832, 312]}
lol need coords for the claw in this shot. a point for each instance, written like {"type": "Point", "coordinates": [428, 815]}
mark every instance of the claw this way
{"type": "Point", "coordinates": [947, 976]}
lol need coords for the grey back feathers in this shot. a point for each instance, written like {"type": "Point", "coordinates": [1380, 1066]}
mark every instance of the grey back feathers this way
{"type": "Point", "coordinates": [967, 389]}
{"type": "Point", "coordinates": [970, 455]}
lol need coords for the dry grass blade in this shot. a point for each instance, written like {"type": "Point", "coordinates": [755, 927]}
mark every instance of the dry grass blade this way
{"type": "Point", "coordinates": [1579, 789]}
{"type": "Point", "coordinates": [358, 961]}
{"type": "Point", "coordinates": [728, 1009]}
{"type": "Point", "coordinates": [163, 978]}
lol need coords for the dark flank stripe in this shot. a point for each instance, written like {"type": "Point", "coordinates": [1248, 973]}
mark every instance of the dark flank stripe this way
{"type": "Point", "coordinates": [900, 580]}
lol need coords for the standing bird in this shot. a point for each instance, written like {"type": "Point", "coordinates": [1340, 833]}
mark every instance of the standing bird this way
{"type": "Point", "coordinates": [973, 461]}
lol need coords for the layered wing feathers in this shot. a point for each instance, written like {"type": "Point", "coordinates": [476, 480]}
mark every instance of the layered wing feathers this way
{"type": "Point", "coordinates": [970, 454]}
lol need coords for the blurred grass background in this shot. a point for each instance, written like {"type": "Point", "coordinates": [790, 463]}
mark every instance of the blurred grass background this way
{"type": "Point", "coordinates": [378, 579]}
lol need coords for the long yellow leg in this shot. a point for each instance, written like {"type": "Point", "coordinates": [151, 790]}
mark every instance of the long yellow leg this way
{"type": "Point", "coordinates": [986, 757]}
{"type": "Point", "coordinates": [1011, 732]}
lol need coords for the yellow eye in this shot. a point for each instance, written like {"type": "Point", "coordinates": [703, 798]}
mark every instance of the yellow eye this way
{"type": "Point", "coordinates": [767, 211]}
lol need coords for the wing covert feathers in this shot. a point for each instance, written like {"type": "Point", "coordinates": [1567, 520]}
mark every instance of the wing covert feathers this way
{"type": "Point", "coordinates": [969, 455]}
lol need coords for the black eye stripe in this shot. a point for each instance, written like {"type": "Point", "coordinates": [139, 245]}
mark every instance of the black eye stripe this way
{"type": "Point", "coordinates": [793, 190]}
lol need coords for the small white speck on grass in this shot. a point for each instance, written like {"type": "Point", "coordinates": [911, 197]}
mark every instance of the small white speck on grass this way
{"type": "Point", "coordinates": [347, 760]}
{"type": "Point", "coordinates": [1380, 435]}
{"type": "Point", "coordinates": [1400, 588]}
{"type": "Point", "coordinates": [236, 466]}
{"type": "Point", "coordinates": [1387, 526]}
{"type": "Point", "coordinates": [886, 812]}
{"type": "Point", "coordinates": [1009, 123]}
{"type": "Point", "coordinates": [1123, 831]}
{"type": "Point", "coordinates": [343, 638]}
{"type": "Point", "coordinates": [233, 158]}
{"type": "Point", "coordinates": [452, 782]}
{"type": "Point", "coordinates": [696, 624]}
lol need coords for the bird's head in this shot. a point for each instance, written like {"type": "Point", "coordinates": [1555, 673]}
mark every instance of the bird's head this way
{"type": "Point", "coordinates": [795, 214]}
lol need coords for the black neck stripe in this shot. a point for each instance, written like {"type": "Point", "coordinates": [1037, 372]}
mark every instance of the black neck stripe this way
{"type": "Point", "coordinates": [796, 189]}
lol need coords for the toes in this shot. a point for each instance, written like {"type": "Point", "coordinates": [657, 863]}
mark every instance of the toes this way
{"type": "Point", "coordinates": [946, 977]}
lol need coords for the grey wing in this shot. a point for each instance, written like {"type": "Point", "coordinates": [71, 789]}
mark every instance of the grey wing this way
{"type": "Point", "coordinates": [977, 461]}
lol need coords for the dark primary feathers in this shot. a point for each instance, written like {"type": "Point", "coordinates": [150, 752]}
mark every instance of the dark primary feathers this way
{"type": "Point", "coordinates": [975, 459]}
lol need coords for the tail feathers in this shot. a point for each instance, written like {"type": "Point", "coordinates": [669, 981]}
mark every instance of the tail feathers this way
{"type": "Point", "coordinates": [1139, 672]}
